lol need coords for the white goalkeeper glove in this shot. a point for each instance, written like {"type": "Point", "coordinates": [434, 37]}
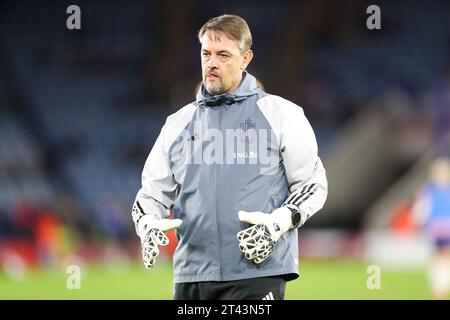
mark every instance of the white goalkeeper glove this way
{"type": "Point", "coordinates": [258, 241]}
{"type": "Point", "coordinates": [151, 232]}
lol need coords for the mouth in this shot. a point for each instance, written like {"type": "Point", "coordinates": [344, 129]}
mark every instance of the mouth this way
{"type": "Point", "coordinates": [211, 76]}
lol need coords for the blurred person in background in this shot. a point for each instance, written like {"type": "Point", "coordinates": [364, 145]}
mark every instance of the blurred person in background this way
{"type": "Point", "coordinates": [236, 219]}
{"type": "Point", "coordinates": [432, 212]}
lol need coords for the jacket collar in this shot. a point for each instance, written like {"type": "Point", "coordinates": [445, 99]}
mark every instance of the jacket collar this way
{"type": "Point", "coordinates": [246, 89]}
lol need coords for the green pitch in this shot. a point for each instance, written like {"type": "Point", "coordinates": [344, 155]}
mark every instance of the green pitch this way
{"type": "Point", "coordinates": [319, 280]}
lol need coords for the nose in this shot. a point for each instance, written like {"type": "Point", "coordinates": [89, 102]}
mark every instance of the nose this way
{"type": "Point", "coordinates": [212, 63]}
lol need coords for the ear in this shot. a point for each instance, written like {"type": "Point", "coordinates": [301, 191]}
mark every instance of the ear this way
{"type": "Point", "coordinates": [248, 56]}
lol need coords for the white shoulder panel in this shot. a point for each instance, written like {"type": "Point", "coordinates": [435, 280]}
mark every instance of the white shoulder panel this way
{"type": "Point", "coordinates": [278, 111]}
{"type": "Point", "coordinates": [158, 191]}
{"type": "Point", "coordinates": [298, 147]}
{"type": "Point", "coordinates": [175, 123]}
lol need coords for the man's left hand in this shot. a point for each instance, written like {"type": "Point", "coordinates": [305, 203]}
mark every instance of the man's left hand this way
{"type": "Point", "coordinates": [258, 241]}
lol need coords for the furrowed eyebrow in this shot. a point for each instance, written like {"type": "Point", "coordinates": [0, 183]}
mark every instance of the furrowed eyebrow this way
{"type": "Point", "coordinates": [220, 52]}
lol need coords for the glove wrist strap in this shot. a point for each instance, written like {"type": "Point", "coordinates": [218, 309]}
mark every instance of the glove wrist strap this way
{"type": "Point", "coordinates": [296, 217]}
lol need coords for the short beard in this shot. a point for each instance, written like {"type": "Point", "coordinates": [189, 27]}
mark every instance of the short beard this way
{"type": "Point", "coordinates": [216, 91]}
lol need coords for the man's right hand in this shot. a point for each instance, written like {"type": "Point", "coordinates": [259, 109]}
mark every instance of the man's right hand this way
{"type": "Point", "coordinates": [151, 231]}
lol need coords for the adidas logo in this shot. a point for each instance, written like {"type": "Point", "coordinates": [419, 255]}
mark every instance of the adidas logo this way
{"type": "Point", "coordinates": [269, 296]}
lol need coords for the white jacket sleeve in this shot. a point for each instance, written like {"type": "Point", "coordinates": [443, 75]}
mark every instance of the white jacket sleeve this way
{"type": "Point", "coordinates": [298, 148]}
{"type": "Point", "coordinates": [159, 188]}
{"type": "Point", "coordinates": [158, 191]}
{"type": "Point", "coordinates": [304, 170]}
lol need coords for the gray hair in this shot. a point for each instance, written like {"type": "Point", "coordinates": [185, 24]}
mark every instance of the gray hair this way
{"type": "Point", "coordinates": [233, 26]}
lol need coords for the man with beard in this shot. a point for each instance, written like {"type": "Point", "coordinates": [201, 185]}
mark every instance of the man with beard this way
{"type": "Point", "coordinates": [239, 169]}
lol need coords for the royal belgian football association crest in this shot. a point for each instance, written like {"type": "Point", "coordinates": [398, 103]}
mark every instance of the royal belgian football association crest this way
{"type": "Point", "coordinates": [247, 130]}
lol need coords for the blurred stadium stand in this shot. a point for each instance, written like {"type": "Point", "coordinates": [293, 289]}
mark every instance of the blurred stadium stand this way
{"type": "Point", "coordinates": [80, 110]}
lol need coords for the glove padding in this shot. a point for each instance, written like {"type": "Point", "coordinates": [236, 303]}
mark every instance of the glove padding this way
{"type": "Point", "coordinates": [258, 241]}
{"type": "Point", "coordinates": [151, 231]}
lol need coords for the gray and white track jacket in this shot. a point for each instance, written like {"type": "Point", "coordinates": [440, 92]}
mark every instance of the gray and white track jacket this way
{"type": "Point", "coordinates": [247, 150]}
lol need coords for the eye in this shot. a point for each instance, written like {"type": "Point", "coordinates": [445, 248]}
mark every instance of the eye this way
{"type": "Point", "coordinates": [206, 54]}
{"type": "Point", "coordinates": [223, 57]}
